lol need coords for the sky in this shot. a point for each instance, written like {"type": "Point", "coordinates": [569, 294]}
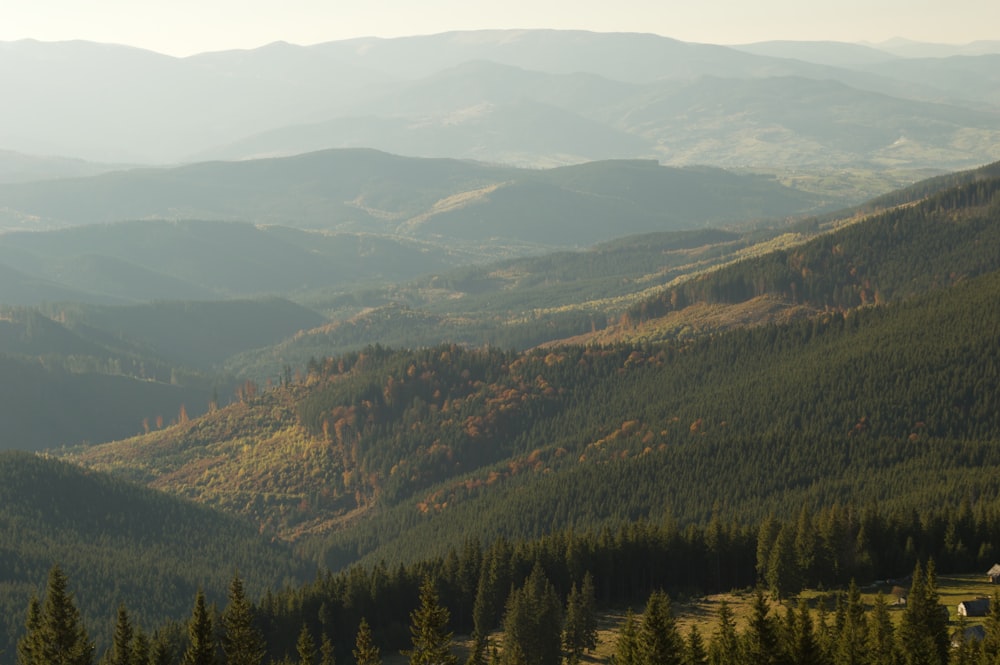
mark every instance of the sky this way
{"type": "Point", "coordinates": [184, 27]}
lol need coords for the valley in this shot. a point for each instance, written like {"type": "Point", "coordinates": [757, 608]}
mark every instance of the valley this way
{"type": "Point", "coordinates": [501, 314]}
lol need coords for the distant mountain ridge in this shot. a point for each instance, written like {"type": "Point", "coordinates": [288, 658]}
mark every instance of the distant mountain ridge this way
{"type": "Point", "coordinates": [362, 190]}
{"type": "Point", "coordinates": [425, 96]}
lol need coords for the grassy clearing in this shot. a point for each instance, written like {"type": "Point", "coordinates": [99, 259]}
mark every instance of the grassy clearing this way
{"type": "Point", "coordinates": [703, 611]}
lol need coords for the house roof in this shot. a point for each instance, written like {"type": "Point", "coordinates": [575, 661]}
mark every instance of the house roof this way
{"type": "Point", "coordinates": [995, 570]}
{"type": "Point", "coordinates": [979, 606]}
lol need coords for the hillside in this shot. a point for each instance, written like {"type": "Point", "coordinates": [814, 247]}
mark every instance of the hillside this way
{"type": "Point", "coordinates": [141, 261]}
{"type": "Point", "coordinates": [396, 446]}
{"type": "Point", "coordinates": [510, 304]}
{"type": "Point", "coordinates": [79, 400]}
{"type": "Point", "coordinates": [78, 373]}
{"type": "Point", "coordinates": [607, 292]}
{"type": "Point", "coordinates": [119, 543]}
{"type": "Point", "coordinates": [199, 335]}
{"type": "Point", "coordinates": [441, 200]}
{"type": "Point", "coordinates": [930, 244]}
{"type": "Point", "coordinates": [382, 447]}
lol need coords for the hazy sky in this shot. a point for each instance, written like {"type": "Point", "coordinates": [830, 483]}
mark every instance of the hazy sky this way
{"type": "Point", "coordinates": [182, 27]}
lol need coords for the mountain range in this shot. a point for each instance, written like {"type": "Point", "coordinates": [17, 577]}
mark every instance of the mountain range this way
{"type": "Point", "coordinates": [524, 97]}
{"type": "Point", "coordinates": [436, 306]}
{"type": "Point", "coordinates": [392, 445]}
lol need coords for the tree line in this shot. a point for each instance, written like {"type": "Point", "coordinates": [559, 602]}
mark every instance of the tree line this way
{"type": "Point", "coordinates": [538, 629]}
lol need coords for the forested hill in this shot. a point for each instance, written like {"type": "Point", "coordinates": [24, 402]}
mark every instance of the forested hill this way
{"type": "Point", "coordinates": [77, 373]}
{"type": "Point", "coordinates": [119, 543]}
{"type": "Point", "coordinates": [426, 199]}
{"type": "Point", "coordinates": [399, 454]}
{"type": "Point", "coordinates": [934, 242]}
{"type": "Point", "coordinates": [44, 407]}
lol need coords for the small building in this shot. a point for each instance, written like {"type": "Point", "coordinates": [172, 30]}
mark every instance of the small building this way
{"type": "Point", "coordinates": [970, 634]}
{"type": "Point", "coordinates": [994, 574]}
{"type": "Point", "coordinates": [979, 607]}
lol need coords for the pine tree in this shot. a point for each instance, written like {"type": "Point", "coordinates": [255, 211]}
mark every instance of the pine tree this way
{"type": "Point", "coordinates": [826, 637]}
{"type": "Point", "coordinates": [573, 627]}
{"type": "Point", "coordinates": [140, 647]}
{"type": "Point", "coordinates": [429, 630]}
{"type": "Point", "coordinates": [852, 642]}
{"type": "Point", "coordinates": [56, 635]}
{"type": "Point", "coordinates": [365, 651]}
{"type": "Point", "coordinates": [533, 622]}
{"type": "Point", "coordinates": [694, 652]}
{"type": "Point", "coordinates": [659, 641]}
{"type": "Point", "coordinates": [481, 624]}
{"type": "Point", "coordinates": [121, 647]}
{"type": "Point", "coordinates": [326, 651]}
{"type": "Point", "coordinates": [882, 648]}
{"type": "Point", "coordinates": [724, 648]}
{"type": "Point", "coordinates": [627, 650]}
{"type": "Point", "coordinates": [760, 641]}
{"type": "Point", "coordinates": [306, 647]}
{"type": "Point", "coordinates": [242, 643]}
{"type": "Point", "coordinates": [588, 596]}
{"type": "Point", "coordinates": [782, 568]}
{"type": "Point", "coordinates": [159, 651]}
{"type": "Point", "coordinates": [806, 546]}
{"type": "Point", "coordinates": [923, 631]}
{"type": "Point", "coordinates": [487, 602]}
{"type": "Point", "coordinates": [29, 647]}
{"type": "Point", "coordinates": [201, 640]}
{"type": "Point", "coordinates": [803, 648]}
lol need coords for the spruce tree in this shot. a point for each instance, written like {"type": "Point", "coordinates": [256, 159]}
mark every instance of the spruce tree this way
{"type": "Point", "coordinates": [803, 648]}
{"type": "Point", "coordinates": [588, 599]}
{"type": "Point", "coordinates": [56, 634]}
{"type": "Point", "coordinates": [140, 647]}
{"type": "Point", "coordinates": [659, 641]}
{"type": "Point", "coordinates": [326, 651]}
{"type": "Point", "coordinates": [429, 630]}
{"type": "Point", "coordinates": [694, 651]}
{"type": "Point", "coordinates": [533, 622]}
{"type": "Point", "coordinates": [159, 651]}
{"type": "Point", "coordinates": [760, 641]}
{"type": "Point", "coordinates": [882, 649]}
{"type": "Point", "coordinates": [627, 651]}
{"type": "Point", "coordinates": [783, 576]}
{"type": "Point", "coordinates": [482, 617]}
{"type": "Point", "coordinates": [201, 639]}
{"type": "Point", "coordinates": [306, 647]}
{"type": "Point", "coordinates": [29, 647]}
{"type": "Point", "coordinates": [573, 630]}
{"type": "Point", "coordinates": [724, 648]}
{"type": "Point", "coordinates": [365, 651]}
{"type": "Point", "coordinates": [852, 641]}
{"type": "Point", "coordinates": [242, 642]}
{"type": "Point", "coordinates": [826, 636]}
{"type": "Point", "coordinates": [121, 646]}
{"type": "Point", "coordinates": [923, 631]}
